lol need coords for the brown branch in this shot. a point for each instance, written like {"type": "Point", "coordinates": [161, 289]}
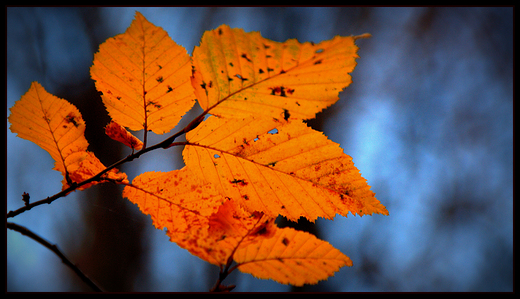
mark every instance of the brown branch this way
{"type": "Point", "coordinates": [56, 250]}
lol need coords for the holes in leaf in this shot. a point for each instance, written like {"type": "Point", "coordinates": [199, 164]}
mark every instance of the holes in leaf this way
{"type": "Point", "coordinates": [319, 50]}
{"type": "Point", "coordinates": [216, 156]}
{"type": "Point", "coordinates": [273, 131]}
{"type": "Point", "coordinates": [240, 77]}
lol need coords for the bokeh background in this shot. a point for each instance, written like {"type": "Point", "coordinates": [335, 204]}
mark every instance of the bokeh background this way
{"type": "Point", "coordinates": [428, 121]}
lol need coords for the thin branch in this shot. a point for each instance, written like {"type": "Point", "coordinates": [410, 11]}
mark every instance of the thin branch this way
{"type": "Point", "coordinates": [56, 250]}
{"type": "Point", "coordinates": [227, 269]}
{"type": "Point", "coordinates": [168, 142]}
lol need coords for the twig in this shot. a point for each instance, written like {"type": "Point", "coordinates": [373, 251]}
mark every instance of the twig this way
{"type": "Point", "coordinates": [55, 249]}
{"type": "Point", "coordinates": [224, 272]}
{"type": "Point", "coordinates": [168, 142]}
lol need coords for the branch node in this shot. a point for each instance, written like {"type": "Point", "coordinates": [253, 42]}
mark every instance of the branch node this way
{"type": "Point", "coordinates": [25, 198]}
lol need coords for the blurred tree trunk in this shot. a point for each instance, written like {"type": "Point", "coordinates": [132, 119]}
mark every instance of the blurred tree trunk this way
{"type": "Point", "coordinates": [111, 250]}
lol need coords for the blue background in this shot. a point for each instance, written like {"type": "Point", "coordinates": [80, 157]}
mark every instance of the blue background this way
{"type": "Point", "coordinates": [428, 121]}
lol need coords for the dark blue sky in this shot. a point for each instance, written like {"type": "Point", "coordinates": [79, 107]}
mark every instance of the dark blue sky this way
{"type": "Point", "coordinates": [428, 121]}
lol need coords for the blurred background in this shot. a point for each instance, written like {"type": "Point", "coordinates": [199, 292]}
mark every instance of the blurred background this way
{"type": "Point", "coordinates": [428, 121]}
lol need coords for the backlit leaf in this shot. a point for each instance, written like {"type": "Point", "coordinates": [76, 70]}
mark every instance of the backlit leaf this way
{"type": "Point", "coordinates": [52, 123]}
{"type": "Point", "coordinates": [293, 171]}
{"type": "Point", "coordinates": [88, 167]}
{"type": "Point", "coordinates": [144, 77]}
{"type": "Point", "coordinates": [56, 125]}
{"type": "Point", "coordinates": [238, 74]}
{"type": "Point", "coordinates": [119, 133]}
{"type": "Point", "coordinates": [291, 257]}
{"type": "Point", "coordinates": [195, 215]}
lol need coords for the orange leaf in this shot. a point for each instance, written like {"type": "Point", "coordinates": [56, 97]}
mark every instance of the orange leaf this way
{"type": "Point", "coordinates": [52, 123]}
{"type": "Point", "coordinates": [238, 74]}
{"type": "Point", "coordinates": [196, 217]}
{"type": "Point", "coordinates": [56, 125]}
{"type": "Point", "coordinates": [119, 133]}
{"type": "Point", "coordinates": [291, 257]}
{"type": "Point", "coordinates": [294, 172]}
{"type": "Point", "coordinates": [88, 167]}
{"type": "Point", "coordinates": [177, 201]}
{"type": "Point", "coordinates": [144, 77]}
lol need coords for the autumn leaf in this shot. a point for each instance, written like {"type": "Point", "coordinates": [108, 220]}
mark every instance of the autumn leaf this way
{"type": "Point", "coordinates": [88, 167]}
{"type": "Point", "coordinates": [119, 133]}
{"type": "Point", "coordinates": [193, 213]}
{"type": "Point", "coordinates": [291, 257]}
{"type": "Point", "coordinates": [237, 74]}
{"type": "Point", "coordinates": [57, 126]}
{"type": "Point", "coordinates": [216, 230]}
{"type": "Point", "coordinates": [295, 171]}
{"type": "Point", "coordinates": [144, 77]}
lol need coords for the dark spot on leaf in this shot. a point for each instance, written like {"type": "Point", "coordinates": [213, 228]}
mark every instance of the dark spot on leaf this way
{"type": "Point", "coordinates": [260, 71]}
{"type": "Point", "coordinates": [71, 118]}
{"type": "Point", "coordinates": [279, 91]}
{"type": "Point", "coordinates": [158, 106]}
{"type": "Point", "coordinates": [169, 89]}
{"type": "Point", "coordinates": [272, 163]}
{"type": "Point", "coordinates": [159, 79]}
{"type": "Point", "coordinates": [318, 61]}
{"type": "Point", "coordinates": [119, 98]}
{"type": "Point", "coordinates": [285, 241]}
{"type": "Point", "coordinates": [231, 64]}
{"type": "Point", "coordinates": [238, 182]}
{"type": "Point", "coordinates": [286, 114]}
{"type": "Point", "coordinates": [261, 231]}
{"type": "Point", "coordinates": [219, 31]}
{"type": "Point", "coordinates": [245, 57]}
{"type": "Point", "coordinates": [266, 46]}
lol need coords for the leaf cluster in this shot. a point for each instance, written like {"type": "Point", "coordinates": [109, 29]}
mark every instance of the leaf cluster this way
{"type": "Point", "coordinates": [249, 155]}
